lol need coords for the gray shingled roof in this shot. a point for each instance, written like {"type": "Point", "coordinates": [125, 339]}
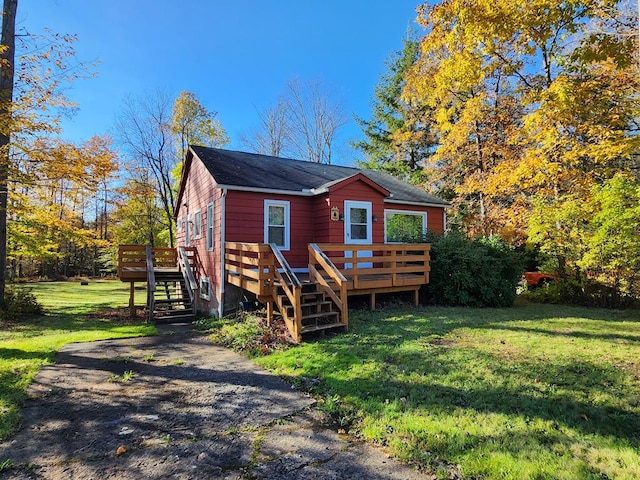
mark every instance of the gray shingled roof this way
{"type": "Point", "coordinates": [251, 170]}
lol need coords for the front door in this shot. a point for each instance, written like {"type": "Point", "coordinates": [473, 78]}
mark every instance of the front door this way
{"type": "Point", "coordinates": [357, 228]}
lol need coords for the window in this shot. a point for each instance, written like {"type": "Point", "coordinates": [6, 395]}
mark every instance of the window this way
{"type": "Point", "coordinates": [402, 226]}
{"type": "Point", "coordinates": [358, 223]}
{"type": "Point", "coordinates": [209, 231]}
{"type": "Point", "coordinates": [276, 223]}
{"type": "Point", "coordinates": [179, 224]}
{"type": "Point", "coordinates": [197, 224]}
{"type": "Point", "coordinates": [205, 288]}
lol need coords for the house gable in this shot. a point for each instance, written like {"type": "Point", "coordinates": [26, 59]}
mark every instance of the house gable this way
{"type": "Point", "coordinates": [350, 181]}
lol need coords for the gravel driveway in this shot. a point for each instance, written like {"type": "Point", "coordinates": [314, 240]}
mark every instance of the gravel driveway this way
{"type": "Point", "coordinates": [177, 406]}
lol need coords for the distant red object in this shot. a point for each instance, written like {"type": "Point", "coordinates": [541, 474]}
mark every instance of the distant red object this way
{"type": "Point", "coordinates": [538, 279]}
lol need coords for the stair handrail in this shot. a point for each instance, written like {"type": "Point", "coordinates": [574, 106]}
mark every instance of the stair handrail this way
{"type": "Point", "coordinates": [187, 273]}
{"type": "Point", "coordinates": [317, 256]}
{"type": "Point", "coordinates": [151, 282]}
{"type": "Point", "coordinates": [291, 286]}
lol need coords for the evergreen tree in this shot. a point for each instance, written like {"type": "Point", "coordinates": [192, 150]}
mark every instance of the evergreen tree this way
{"type": "Point", "coordinates": [395, 140]}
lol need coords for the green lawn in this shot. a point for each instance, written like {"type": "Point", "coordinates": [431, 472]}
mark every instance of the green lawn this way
{"type": "Point", "coordinates": [26, 345]}
{"type": "Point", "coordinates": [531, 392]}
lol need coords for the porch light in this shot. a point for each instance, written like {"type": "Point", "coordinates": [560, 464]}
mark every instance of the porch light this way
{"type": "Point", "coordinates": [374, 218]}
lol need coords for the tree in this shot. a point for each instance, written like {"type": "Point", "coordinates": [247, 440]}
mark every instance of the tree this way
{"type": "Point", "coordinates": [532, 104]}
{"type": "Point", "coordinates": [32, 102]}
{"type": "Point", "coordinates": [7, 61]}
{"type": "Point", "coordinates": [271, 138]}
{"type": "Point", "coordinates": [193, 124]}
{"type": "Point", "coordinates": [613, 246]}
{"type": "Point", "coordinates": [395, 138]}
{"type": "Point", "coordinates": [144, 130]}
{"type": "Point", "coordinates": [48, 225]}
{"type": "Point", "coordinates": [155, 130]}
{"type": "Point", "coordinates": [303, 124]}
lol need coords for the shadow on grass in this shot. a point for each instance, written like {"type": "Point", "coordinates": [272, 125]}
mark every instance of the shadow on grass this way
{"type": "Point", "coordinates": [570, 334]}
{"type": "Point", "coordinates": [19, 354]}
{"type": "Point", "coordinates": [394, 354]}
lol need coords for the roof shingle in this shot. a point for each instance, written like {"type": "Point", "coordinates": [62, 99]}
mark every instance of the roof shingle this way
{"type": "Point", "coordinates": [250, 170]}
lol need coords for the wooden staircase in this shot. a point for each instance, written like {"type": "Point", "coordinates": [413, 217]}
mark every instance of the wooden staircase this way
{"type": "Point", "coordinates": [317, 312]}
{"type": "Point", "coordinates": [171, 300]}
{"type": "Point", "coordinates": [170, 288]}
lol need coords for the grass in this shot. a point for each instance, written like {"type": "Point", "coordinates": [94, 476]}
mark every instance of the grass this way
{"type": "Point", "coordinates": [531, 392]}
{"type": "Point", "coordinates": [27, 344]}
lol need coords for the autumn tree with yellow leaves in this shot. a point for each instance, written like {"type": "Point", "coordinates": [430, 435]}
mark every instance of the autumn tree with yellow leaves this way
{"type": "Point", "coordinates": [534, 106]}
{"type": "Point", "coordinates": [46, 184]}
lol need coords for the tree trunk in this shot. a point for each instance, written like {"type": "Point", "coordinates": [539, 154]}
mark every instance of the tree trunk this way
{"type": "Point", "coordinates": [6, 98]}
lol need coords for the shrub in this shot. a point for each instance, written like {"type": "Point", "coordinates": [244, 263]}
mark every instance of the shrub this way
{"type": "Point", "coordinates": [475, 273]}
{"type": "Point", "coordinates": [579, 290]}
{"type": "Point", "coordinates": [20, 301]}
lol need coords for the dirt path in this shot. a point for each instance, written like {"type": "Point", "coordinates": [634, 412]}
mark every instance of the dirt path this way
{"type": "Point", "coordinates": [177, 406]}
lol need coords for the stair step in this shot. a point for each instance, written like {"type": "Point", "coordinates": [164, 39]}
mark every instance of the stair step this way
{"type": "Point", "coordinates": [321, 304]}
{"type": "Point", "coordinates": [315, 328]}
{"type": "Point", "coordinates": [313, 316]}
{"type": "Point", "coordinates": [313, 294]}
{"type": "Point", "coordinates": [171, 301]}
{"type": "Point", "coordinates": [173, 312]}
{"type": "Point", "coordinates": [175, 319]}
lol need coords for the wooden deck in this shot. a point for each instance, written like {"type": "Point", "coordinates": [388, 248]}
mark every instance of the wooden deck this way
{"type": "Point", "coordinates": [314, 301]}
{"type": "Point", "coordinates": [140, 263]}
{"type": "Point", "coordinates": [338, 271]}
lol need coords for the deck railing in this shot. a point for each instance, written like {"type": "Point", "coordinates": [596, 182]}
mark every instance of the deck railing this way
{"type": "Point", "coordinates": [380, 265]}
{"type": "Point", "coordinates": [329, 278]}
{"type": "Point", "coordinates": [188, 263]}
{"type": "Point", "coordinates": [286, 279]}
{"type": "Point", "coordinates": [151, 282]}
{"type": "Point", "coordinates": [132, 261]}
{"type": "Point", "coordinates": [250, 267]}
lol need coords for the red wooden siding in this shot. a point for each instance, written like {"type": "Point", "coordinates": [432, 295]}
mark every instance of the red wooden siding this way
{"type": "Point", "coordinates": [199, 191]}
{"type": "Point", "coordinates": [362, 192]}
{"type": "Point", "coordinates": [245, 222]}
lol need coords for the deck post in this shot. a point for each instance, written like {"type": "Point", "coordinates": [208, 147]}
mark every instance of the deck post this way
{"type": "Point", "coordinates": [132, 304]}
{"type": "Point", "coordinates": [416, 297]}
{"type": "Point", "coordinates": [372, 304]}
{"type": "Point", "coordinates": [269, 312]}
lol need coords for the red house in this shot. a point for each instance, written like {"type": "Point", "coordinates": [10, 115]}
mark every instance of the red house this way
{"type": "Point", "coordinates": [286, 231]}
{"type": "Point", "coordinates": [228, 197]}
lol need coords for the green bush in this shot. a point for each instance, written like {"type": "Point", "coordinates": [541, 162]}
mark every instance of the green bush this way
{"type": "Point", "coordinates": [475, 273]}
{"type": "Point", "coordinates": [20, 301]}
{"type": "Point", "coordinates": [579, 290]}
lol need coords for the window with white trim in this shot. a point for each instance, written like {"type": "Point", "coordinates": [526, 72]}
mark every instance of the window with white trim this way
{"type": "Point", "coordinates": [179, 224]}
{"type": "Point", "coordinates": [403, 226]}
{"type": "Point", "coordinates": [209, 230]}
{"type": "Point", "coordinates": [197, 224]}
{"type": "Point", "coordinates": [276, 223]}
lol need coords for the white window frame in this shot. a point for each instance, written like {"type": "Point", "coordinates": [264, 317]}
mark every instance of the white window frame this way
{"type": "Point", "coordinates": [205, 288]}
{"type": "Point", "coordinates": [287, 226]}
{"type": "Point", "coordinates": [197, 224]}
{"type": "Point", "coordinates": [405, 212]}
{"type": "Point", "coordinates": [210, 243]}
{"type": "Point", "coordinates": [179, 224]}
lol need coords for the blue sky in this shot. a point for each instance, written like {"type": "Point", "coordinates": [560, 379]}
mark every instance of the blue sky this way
{"type": "Point", "coordinates": [236, 56]}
